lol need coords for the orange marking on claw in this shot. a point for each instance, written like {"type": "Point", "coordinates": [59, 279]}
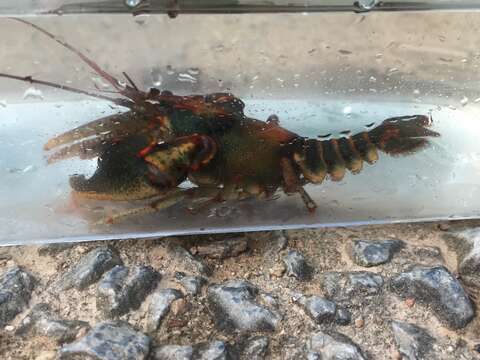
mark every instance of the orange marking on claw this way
{"type": "Point", "coordinates": [145, 151]}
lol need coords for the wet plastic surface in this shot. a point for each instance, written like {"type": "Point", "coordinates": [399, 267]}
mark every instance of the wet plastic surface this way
{"type": "Point", "coordinates": [319, 73]}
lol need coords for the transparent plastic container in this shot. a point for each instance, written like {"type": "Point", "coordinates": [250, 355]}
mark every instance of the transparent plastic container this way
{"type": "Point", "coordinates": [327, 70]}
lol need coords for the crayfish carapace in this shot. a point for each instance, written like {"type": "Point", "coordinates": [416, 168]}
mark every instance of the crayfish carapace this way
{"type": "Point", "coordinates": [164, 139]}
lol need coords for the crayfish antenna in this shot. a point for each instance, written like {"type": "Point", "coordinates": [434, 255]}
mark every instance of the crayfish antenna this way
{"type": "Point", "coordinates": [29, 79]}
{"type": "Point", "coordinates": [127, 91]}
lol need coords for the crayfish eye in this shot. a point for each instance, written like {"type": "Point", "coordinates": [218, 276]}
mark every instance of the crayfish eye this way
{"type": "Point", "coordinates": [153, 92]}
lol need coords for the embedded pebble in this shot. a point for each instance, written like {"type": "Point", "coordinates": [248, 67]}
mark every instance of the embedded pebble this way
{"type": "Point", "coordinates": [371, 253]}
{"type": "Point", "coordinates": [43, 322]}
{"type": "Point", "coordinates": [222, 249]}
{"type": "Point", "coordinates": [173, 352]}
{"type": "Point", "coordinates": [412, 341]}
{"type": "Point", "coordinates": [16, 286]}
{"type": "Point", "coordinates": [215, 350]}
{"type": "Point", "coordinates": [364, 283]}
{"type": "Point", "coordinates": [278, 269]}
{"type": "Point", "coordinates": [437, 288]}
{"type": "Point", "coordinates": [90, 268]}
{"type": "Point", "coordinates": [319, 309]}
{"type": "Point", "coordinates": [122, 289]}
{"type": "Point", "coordinates": [466, 243]}
{"type": "Point", "coordinates": [255, 348]}
{"type": "Point", "coordinates": [297, 266]}
{"type": "Point", "coordinates": [345, 286]}
{"type": "Point", "coordinates": [160, 306]}
{"type": "Point", "coordinates": [334, 346]}
{"type": "Point", "coordinates": [53, 249]}
{"type": "Point", "coordinates": [192, 284]}
{"type": "Point", "coordinates": [187, 262]}
{"type": "Point", "coordinates": [343, 316]}
{"type": "Point", "coordinates": [233, 303]}
{"type": "Point", "coordinates": [277, 244]}
{"type": "Point", "coordinates": [109, 341]}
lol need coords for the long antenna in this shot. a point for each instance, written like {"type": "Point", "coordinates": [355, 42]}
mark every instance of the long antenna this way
{"type": "Point", "coordinates": [126, 91]}
{"type": "Point", "coordinates": [29, 79]}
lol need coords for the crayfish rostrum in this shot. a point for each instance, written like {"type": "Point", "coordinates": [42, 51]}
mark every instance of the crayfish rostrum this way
{"type": "Point", "coordinates": [164, 139]}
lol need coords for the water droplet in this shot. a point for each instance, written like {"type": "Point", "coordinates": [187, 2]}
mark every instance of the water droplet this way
{"type": "Point", "coordinates": [157, 78]}
{"type": "Point", "coordinates": [224, 211]}
{"type": "Point", "coordinates": [392, 70]}
{"type": "Point", "coordinates": [372, 79]}
{"type": "Point", "coordinates": [132, 3]}
{"type": "Point", "coordinates": [33, 93]}
{"type": "Point", "coordinates": [170, 70]}
{"type": "Point", "coordinates": [194, 71]}
{"type": "Point", "coordinates": [477, 100]}
{"type": "Point", "coordinates": [28, 168]}
{"type": "Point", "coordinates": [379, 55]}
{"type": "Point", "coordinates": [464, 101]}
{"type": "Point", "coordinates": [347, 110]}
{"type": "Point", "coordinates": [365, 5]}
{"type": "Point", "coordinates": [416, 92]}
{"type": "Point", "coordinates": [3, 103]}
{"type": "Point", "coordinates": [185, 77]}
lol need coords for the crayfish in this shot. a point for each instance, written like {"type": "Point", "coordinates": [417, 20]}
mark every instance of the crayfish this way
{"type": "Point", "coordinates": [163, 140]}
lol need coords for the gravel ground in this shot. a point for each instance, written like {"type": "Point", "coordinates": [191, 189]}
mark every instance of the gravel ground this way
{"type": "Point", "coordinates": [373, 292]}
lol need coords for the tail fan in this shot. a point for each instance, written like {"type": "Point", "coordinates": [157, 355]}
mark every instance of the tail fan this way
{"type": "Point", "coordinates": [403, 135]}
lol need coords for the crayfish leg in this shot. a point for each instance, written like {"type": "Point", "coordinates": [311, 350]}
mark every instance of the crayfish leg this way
{"type": "Point", "coordinates": [292, 184]}
{"type": "Point", "coordinates": [170, 199]}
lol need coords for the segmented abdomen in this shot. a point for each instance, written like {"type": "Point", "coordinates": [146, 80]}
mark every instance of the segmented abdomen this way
{"type": "Point", "coordinates": [395, 136]}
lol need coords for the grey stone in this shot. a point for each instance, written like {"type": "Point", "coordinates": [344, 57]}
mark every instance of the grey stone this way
{"type": "Point", "coordinates": [192, 284]}
{"type": "Point", "coordinates": [187, 262]}
{"type": "Point", "coordinates": [345, 286]}
{"type": "Point", "coordinates": [53, 249]}
{"type": "Point", "coordinates": [371, 253]}
{"type": "Point", "coordinates": [466, 244]}
{"type": "Point", "coordinates": [333, 284]}
{"type": "Point", "coordinates": [109, 341]}
{"type": "Point", "coordinates": [437, 288]}
{"type": "Point", "coordinates": [255, 348]}
{"type": "Point", "coordinates": [423, 252]}
{"type": "Point", "coordinates": [343, 316]}
{"type": "Point", "coordinates": [41, 321]}
{"type": "Point", "coordinates": [173, 352]}
{"type": "Point", "coordinates": [413, 342]}
{"type": "Point", "coordinates": [334, 346]}
{"type": "Point", "coordinates": [215, 350]}
{"type": "Point", "coordinates": [319, 309]}
{"type": "Point", "coordinates": [363, 282]}
{"type": "Point", "coordinates": [297, 266]}
{"type": "Point", "coordinates": [90, 268]}
{"type": "Point", "coordinates": [122, 289]}
{"type": "Point", "coordinates": [16, 286]}
{"type": "Point", "coordinates": [234, 306]}
{"type": "Point", "coordinates": [160, 306]}
{"type": "Point", "coordinates": [313, 356]}
{"type": "Point", "coordinates": [222, 249]}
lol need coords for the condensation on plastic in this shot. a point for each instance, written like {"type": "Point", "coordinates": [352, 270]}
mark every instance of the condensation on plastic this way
{"type": "Point", "coordinates": [320, 73]}
{"type": "Point", "coordinates": [175, 7]}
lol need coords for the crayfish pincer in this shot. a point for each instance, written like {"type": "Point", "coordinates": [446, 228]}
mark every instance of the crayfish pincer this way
{"type": "Point", "coordinates": [163, 140]}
